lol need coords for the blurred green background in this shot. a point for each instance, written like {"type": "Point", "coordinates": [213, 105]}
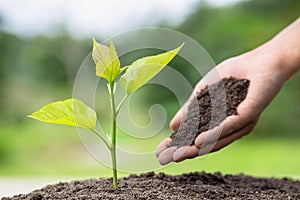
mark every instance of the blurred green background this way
{"type": "Point", "coordinates": [40, 69]}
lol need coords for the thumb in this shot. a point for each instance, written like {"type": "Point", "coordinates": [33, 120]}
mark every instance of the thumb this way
{"type": "Point", "coordinates": [176, 121]}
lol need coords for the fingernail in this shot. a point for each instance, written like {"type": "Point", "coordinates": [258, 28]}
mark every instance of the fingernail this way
{"type": "Point", "coordinates": [162, 146]}
{"type": "Point", "coordinates": [178, 154]}
{"type": "Point", "coordinates": [166, 156]}
{"type": "Point", "coordinates": [205, 149]}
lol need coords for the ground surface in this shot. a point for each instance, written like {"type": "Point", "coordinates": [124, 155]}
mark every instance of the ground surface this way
{"type": "Point", "coordinates": [197, 185]}
{"type": "Point", "coordinates": [211, 106]}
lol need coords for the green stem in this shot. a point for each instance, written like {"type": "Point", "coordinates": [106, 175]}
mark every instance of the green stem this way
{"type": "Point", "coordinates": [102, 138]}
{"type": "Point", "coordinates": [121, 103]}
{"type": "Point", "coordinates": [113, 134]}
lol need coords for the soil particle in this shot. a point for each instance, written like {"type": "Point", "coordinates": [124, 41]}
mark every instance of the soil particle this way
{"type": "Point", "coordinates": [211, 106]}
{"type": "Point", "coordinates": [198, 185]}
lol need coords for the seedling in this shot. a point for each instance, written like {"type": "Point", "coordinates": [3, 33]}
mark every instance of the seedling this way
{"type": "Point", "coordinates": [74, 112]}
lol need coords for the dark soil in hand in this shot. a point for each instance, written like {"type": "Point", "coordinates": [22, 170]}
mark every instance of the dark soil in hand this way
{"type": "Point", "coordinates": [211, 106]}
{"type": "Point", "coordinates": [161, 186]}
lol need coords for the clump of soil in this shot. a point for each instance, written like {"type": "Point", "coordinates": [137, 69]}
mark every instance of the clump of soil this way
{"type": "Point", "coordinates": [211, 106]}
{"type": "Point", "coordinates": [198, 185]}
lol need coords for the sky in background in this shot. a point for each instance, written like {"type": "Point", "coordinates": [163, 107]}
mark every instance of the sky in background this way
{"type": "Point", "coordinates": [93, 18]}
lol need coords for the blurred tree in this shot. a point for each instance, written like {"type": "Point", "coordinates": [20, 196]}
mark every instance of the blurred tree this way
{"type": "Point", "coordinates": [45, 63]}
{"type": "Point", "coordinates": [53, 60]}
{"type": "Point", "coordinates": [228, 31]}
{"type": "Point", "coordinates": [8, 52]}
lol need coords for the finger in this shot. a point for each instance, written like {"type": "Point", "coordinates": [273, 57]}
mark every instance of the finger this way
{"type": "Point", "coordinates": [227, 140]}
{"type": "Point", "coordinates": [166, 156]}
{"type": "Point", "coordinates": [163, 145]}
{"type": "Point", "coordinates": [200, 86]}
{"type": "Point", "coordinates": [185, 152]}
{"type": "Point", "coordinates": [230, 125]}
{"type": "Point", "coordinates": [211, 144]}
{"type": "Point", "coordinates": [175, 122]}
{"type": "Point", "coordinates": [211, 136]}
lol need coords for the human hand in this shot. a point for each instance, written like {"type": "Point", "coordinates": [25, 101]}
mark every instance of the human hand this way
{"type": "Point", "coordinates": [266, 79]}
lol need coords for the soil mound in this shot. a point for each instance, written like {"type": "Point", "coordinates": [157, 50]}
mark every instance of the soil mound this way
{"type": "Point", "coordinates": [198, 185]}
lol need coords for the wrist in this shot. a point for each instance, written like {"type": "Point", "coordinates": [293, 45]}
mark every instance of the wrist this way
{"type": "Point", "coordinates": [271, 60]}
{"type": "Point", "coordinates": [283, 62]}
{"type": "Point", "coordinates": [288, 59]}
{"type": "Point", "coordinates": [282, 53]}
{"type": "Point", "coordinates": [285, 46]}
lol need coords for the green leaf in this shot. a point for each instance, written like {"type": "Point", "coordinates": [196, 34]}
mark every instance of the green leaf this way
{"type": "Point", "coordinates": [107, 61]}
{"type": "Point", "coordinates": [144, 69]}
{"type": "Point", "coordinates": [72, 112]}
{"type": "Point", "coordinates": [99, 51]}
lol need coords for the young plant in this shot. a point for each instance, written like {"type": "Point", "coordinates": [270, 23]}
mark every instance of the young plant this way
{"type": "Point", "coordinates": [74, 112]}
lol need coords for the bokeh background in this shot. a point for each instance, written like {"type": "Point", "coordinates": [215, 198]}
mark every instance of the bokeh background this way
{"type": "Point", "coordinates": [42, 45]}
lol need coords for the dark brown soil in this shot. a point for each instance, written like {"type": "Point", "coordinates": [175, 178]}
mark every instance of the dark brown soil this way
{"type": "Point", "coordinates": [210, 108]}
{"type": "Point", "coordinates": [197, 185]}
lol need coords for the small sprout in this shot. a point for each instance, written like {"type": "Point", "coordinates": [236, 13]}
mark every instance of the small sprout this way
{"type": "Point", "coordinates": [74, 112]}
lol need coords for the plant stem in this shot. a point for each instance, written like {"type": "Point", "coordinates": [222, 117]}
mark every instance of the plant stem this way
{"type": "Point", "coordinates": [102, 138]}
{"type": "Point", "coordinates": [121, 103]}
{"type": "Point", "coordinates": [113, 134]}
